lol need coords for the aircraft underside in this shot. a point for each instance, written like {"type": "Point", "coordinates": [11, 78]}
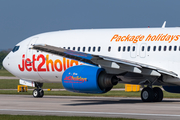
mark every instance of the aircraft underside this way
{"type": "Point", "coordinates": [148, 93]}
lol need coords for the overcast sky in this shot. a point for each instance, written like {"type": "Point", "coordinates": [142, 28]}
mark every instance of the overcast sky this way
{"type": "Point", "coordinates": [20, 19]}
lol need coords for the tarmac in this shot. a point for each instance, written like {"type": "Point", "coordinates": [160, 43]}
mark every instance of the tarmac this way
{"type": "Point", "coordinates": [90, 106]}
{"type": "Point", "coordinates": [8, 78]}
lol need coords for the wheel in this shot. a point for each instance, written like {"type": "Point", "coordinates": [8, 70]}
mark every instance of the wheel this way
{"type": "Point", "coordinates": [158, 94]}
{"type": "Point", "coordinates": [35, 93]}
{"type": "Point", "coordinates": [38, 93]}
{"type": "Point", "coordinates": [147, 95]}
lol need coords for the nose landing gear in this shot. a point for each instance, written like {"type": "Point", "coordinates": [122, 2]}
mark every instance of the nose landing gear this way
{"type": "Point", "coordinates": [39, 91]}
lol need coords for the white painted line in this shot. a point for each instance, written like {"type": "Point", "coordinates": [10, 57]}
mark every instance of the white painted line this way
{"type": "Point", "coordinates": [81, 112]}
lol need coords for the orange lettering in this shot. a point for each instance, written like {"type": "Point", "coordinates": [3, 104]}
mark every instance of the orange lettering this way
{"type": "Point", "coordinates": [172, 37]}
{"type": "Point", "coordinates": [163, 37]}
{"type": "Point", "coordinates": [153, 38]}
{"type": "Point", "coordinates": [131, 38]}
{"type": "Point", "coordinates": [127, 38]}
{"type": "Point", "coordinates": [167, 38]}
{"type": "Point", "coordinates": [59, 69]}
{"type": "Point", "coordinates": [148, 38]}
{"type": "Point", "coordinates": [114, 37]}
{"type": "Point", "coordinates": [177, 37]}
{"type": "Point", "coordinates": [141, 38]}
{"type": "Point", "coordinates": [49, 62]}
{"type": "Point", "coordinates": [136, 38]}
{"type": "Point", "coordinates": [64, 63]}
{"type": "Point", "coordinates": [117, 40]}
{"type": "Point", "coordinates": [123, 38]}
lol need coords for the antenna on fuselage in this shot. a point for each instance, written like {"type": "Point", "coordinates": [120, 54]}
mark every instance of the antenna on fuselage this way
{"type": "Point", "coordinates": [164, 24]}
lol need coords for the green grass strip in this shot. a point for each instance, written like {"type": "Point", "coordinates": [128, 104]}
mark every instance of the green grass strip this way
{"type": "Point", "coordinates": [4, 72]}
{"type": "Point", "coordinates": [12, 84]}
{"type": "Point", "coordinates": [108, 94]}
{"type": "Point", "coordinates": [28, 117]}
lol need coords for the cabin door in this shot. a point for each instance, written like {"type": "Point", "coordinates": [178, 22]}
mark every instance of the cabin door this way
{"type": "Point", "coordinates": [142, 50]}
{"type": "Point", "coordinates": [133, 50]}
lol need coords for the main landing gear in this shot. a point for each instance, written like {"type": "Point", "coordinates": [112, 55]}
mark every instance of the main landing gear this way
{"type": "Point", "coordinates": [38, 93]}
{"type": "Point", "coordinates": [149, 94]}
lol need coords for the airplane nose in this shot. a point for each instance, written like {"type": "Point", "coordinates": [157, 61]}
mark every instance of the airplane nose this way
{"type": "Point", "coordinates": [6, 62]}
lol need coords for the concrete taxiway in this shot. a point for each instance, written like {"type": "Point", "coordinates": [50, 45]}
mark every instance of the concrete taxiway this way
{"type": "Point", "coordinates": [90, 106]}
{"type": "Point", "coordinates": [8, 78]}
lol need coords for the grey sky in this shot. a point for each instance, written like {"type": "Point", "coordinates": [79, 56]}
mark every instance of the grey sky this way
{"type": "Point", "coordinates": [20, 19]}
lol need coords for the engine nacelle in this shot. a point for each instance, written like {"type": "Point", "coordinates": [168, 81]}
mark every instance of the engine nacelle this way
{"type": "Point", "coordinates": [88, 79]}
{"type": "Point", "coordinates": [172, 89]}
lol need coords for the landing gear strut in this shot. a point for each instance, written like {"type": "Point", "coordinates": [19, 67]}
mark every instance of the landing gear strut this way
{"type": "Point", "coordinates": [149, 94]}
{"type": "Point", "coordinates": [39, 91]}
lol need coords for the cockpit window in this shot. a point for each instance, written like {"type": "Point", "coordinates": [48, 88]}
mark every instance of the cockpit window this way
{"type": "Point", "coordinates": [15, 48]}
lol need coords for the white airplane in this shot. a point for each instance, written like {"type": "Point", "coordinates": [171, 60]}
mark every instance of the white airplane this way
{"type": "Point", "coordinates": [94, 60]}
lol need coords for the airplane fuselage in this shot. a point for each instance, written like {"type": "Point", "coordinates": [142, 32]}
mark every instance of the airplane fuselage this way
{"type": "Point", "coordinates": [158, 47]}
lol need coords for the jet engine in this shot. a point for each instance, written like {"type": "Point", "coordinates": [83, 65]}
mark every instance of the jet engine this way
{"type": "Point", "coordinates": [88, 79]}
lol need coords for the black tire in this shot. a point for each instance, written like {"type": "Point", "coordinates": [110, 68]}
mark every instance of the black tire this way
{"type": "Point", "coordinates": [35, 93]}
{"type": "Point", "coordinates": [158, 94]}
{"type": "Point", "coordinates": [147, 95]}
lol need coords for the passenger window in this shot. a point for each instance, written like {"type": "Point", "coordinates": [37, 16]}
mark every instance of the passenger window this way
{"type": "Point", "coordinates": [16, 48]}
{"type": "Point", "coordinates": [170, 47]}
{"type": "Point", "coordinates": [94, 48]}
{"type": "Point", "coordinates": [99, 49]}
{"type": "Point", "coordinates": [124, 48]}
{"type": "Point", "coordinates": [89, 49]}
{"type": "Point", "coordinates": [175, 48]}
{"type": "Point", "coordinates": [179, 48]}
{"type": "Point", "coordinates": [84, 49]}
{"type": "Point", "coordinates": [159, 48]}
{"type": "Point", "coordinates": [148, 49]}
{"type": "Point", "coordinates": [154, 48]}
{"type": "Point", "coordinates": [165, 48]}
{"type": "Point", "coordinates": [128, 48]}
{"type": "Point", "coordinates": [78, 48]}
{"type": "Point", "coordinates": [74, 48]}
{"type": "Point", "coordinates": [119, 48]}
{"type": "Point", "coordinates": [64, 47]}
{"type": "Point", "coordinates": [109, 49]}
{"type": "Point", "coordinates": [133, 48]}
{"type": "Point", "coordinates": [142, 48]}
{"type": "Point", "coordinates": [68, 48]}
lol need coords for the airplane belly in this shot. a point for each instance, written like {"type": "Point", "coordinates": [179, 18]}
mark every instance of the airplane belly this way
{"type": "Point", "coordinates": [133, 78]}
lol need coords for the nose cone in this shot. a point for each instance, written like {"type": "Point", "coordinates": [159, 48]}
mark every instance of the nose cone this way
{"type": "Point", "coordinates": [6, 62]}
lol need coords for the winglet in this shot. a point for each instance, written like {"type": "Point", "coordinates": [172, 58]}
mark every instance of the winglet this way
{"type": "Point", "coordinates": [164, 24]}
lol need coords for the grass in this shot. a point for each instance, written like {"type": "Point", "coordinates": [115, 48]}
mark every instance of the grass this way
{"type": "Point", "coordinates": [4, 72]}
{"type": "Point", "coordinates": [108, 94]}
{"type": "Point", "coordinates": [12, 84]}
{"type": "Point", "coordinates": [9, 84]}
{"type": "Point", "coordinates": [30, 117]}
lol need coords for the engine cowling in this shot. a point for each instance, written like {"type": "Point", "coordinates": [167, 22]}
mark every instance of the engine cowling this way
{"type": "Point", "coordinates": [88, 79]}
{"type": "Point", "coordinates": [172, 89]}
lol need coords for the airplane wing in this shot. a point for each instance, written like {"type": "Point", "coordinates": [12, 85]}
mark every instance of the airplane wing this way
{"type": "Point", "coordinates": [105, 62]}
